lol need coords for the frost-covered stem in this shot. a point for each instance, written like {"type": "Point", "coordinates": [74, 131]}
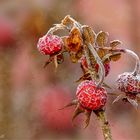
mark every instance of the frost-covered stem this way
{"type": "Point", "coordinates": [55, 28]}
{"type": "Point", "coordinates": [130, 52]}
{"type": "Point", "coordinates": [134, 55]}
{"type": "Point", "coordinates": [99, 61]}
{"type": "Point", "coordinates": [104, 124]}
{"type": "Point", "coordinates": [88, 61]}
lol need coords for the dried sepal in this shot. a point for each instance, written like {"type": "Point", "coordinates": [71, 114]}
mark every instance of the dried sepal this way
{"type": "Point", "coordinates": [74, 40]}
{"type": "Point", "coordinates": [48, 61]}
{"type": "Point", "coordinates": [88, 34]}
{"type": "Point", "coordinates": [86, 76]}
{"type": "Point", "coordinates": [133, 102]}
{"type": "Point", "coordinates": [57, 59]}
{"type": "Point", "coordinates": [127, 98]}
{"type": "Point", "coordinates": [72, 103]}
{"type": "Point", "coordinates": [102, 39]}
{"type": "Point", "coordinates": [87, 118]}
{"type": "Point", "coordinates": [78, 110]}
{"type": "Point", "coordinates": [60, 58]}
{"type": "Point", "coordinates": [121, 96]}
{"type": "Point", "coordinates": [115, 43]}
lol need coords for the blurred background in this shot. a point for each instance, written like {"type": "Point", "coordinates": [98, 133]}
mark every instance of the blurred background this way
{"type": "Point", "coordinates": [30, 95]}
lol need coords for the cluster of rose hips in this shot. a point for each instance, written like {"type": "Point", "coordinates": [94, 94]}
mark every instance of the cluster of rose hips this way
{"type": "Point", "coordinates": [94, 52]}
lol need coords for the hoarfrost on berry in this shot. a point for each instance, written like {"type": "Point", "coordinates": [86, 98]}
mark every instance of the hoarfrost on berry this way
{"type": "Point", "coordinates": [50, 44]}
{"type": "Point", "coordinates": [90, 96]}
{"type": "Point", "coordinates": [128, 83]}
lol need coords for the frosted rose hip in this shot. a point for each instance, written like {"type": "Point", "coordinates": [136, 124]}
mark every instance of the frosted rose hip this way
{"type": "Point", "coordinates": [91, 97]}
{"type": "Point", "coordinates": [128, 83]}
{"type": "Point", "coordinates": [50, 44]}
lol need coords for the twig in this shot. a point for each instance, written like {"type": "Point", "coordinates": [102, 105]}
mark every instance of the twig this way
{"type": "Point", "coordinates": [86, 51]}
{"type": "Point", "coordinates": [99, 61]}
{"type": "Point", "coordinates": [104, 124]}
{"type": "Point", "coordinates": [133, 54]}
{"type": "Point", "coordinates": [56, 27]}
{"type": "Point", "coordinates": [137, 66]}
{"type": "Point", "coordinates": [101, 113]}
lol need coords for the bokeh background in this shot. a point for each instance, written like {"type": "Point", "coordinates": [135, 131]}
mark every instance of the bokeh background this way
{"type": "Point", "coordinates": [30, 95]}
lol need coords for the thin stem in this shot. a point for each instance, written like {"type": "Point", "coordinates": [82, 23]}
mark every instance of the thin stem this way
{"type": "Point", "coordinates": [137, 65]}
{"type": "Point", "coordinates": [88, 61]}
{"type": "Point", "coordinates": [55, 28]}
{"type": "Point", "coordinates": [104, 124]}
{"type": "Point", "coordinates": [130, 52]}
{"type": "Point", "coordinates": [99, 61]}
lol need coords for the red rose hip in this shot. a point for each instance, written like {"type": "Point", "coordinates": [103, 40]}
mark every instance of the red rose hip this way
{"type": "Point", "coordinates": [91, 97]}
{"type": "Point", "coordinates": [128, 83]}
{"type": "Point", "coordinates": [50, 44]}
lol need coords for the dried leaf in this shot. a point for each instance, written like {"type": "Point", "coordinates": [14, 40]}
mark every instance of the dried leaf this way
{"type": "Point", "coordinates": [115, 56]}
{"type": "Point", "coordinates": [67, 21]}
{"type": "Point", "coordinates": [115, 43]}
{"type": "Point", "coordinates": [74, 41]}
{"type": "Point", "coordinates": [75, 56]}
{"type": "Point", "coordinates": [101, 53]}
{"type": "Point", "coordinates": [88, 34]}
{"type": "Point", "coordinates": [102, 39]}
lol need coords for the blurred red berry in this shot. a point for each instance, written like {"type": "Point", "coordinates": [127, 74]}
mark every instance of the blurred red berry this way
{"type": "Point", "coordinates": [106, 66]}
{"type": "Point", "coordinates": [50, 44]}
{"type": "Point", "coordinates": [91, 97]}
{"type": "Point", "coordinates": [6, 33]}
{"type": "Point", "coordinates": [129, 83]}
{"type": "Point", "coordinates": [50, 115]}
